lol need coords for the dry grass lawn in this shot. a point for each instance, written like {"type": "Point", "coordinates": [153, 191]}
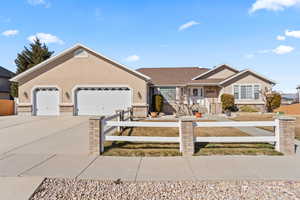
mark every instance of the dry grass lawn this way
{"type": "Point", "coordinates": [267, 117]}
{"type": "Point", "coordinates": [172, 149]}
{"type": "Point", "coordinates": [293, 109]}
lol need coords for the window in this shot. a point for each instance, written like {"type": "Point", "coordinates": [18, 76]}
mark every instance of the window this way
{"type": "Point", "coordinates": [168, 93]}
{"type": "Point", "coordinates": [246, 91]}
{"type": "Point", "coordinates": [256, 91]}
{"type": "Point", "coordinates": [236, 91]}
{"type": "Point", "coordinates": [195, 92]}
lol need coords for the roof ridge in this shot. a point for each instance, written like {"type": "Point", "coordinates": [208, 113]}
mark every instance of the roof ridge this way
{"type": "Point", "coordinates": [172, 68]}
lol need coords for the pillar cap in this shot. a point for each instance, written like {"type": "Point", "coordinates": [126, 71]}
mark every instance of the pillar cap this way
{"type": "Point", "coordinates": [286, 118]}
{"type": "Point", "coordinates": [97, 117]}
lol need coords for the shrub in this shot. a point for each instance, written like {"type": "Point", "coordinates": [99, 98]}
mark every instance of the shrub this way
{"type": "Point", "coordinates": [248, 109]}
{"type": "Point", "coordinates": [227, 102]}
{"type": "Point", "coordinates": [157, 103]}
{"type": "Point", "coordinates": [273, 101]}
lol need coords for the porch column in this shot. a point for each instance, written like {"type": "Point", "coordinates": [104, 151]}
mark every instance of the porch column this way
{"type": "Point", "coordinates": [178, 94]}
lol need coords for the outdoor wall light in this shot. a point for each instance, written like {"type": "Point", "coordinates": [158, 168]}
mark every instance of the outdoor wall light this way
{"type": "Point", "coordinates": [26, 95]}
{"type": "Point", "coordinates": [67, 95]}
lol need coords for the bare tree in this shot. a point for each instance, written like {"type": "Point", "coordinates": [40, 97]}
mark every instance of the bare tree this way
{"type": "Point", "coordinates": [271, 99]}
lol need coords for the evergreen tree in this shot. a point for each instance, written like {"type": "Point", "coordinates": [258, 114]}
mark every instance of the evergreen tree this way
{"type": "Point", "coordinates": [29, 57]}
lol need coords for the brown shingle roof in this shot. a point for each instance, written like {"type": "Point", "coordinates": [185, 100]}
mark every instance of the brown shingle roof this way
{"type": "Point", "coordinates": [172, 75]}
{"type": "Point", "coordinates": [211, 80]}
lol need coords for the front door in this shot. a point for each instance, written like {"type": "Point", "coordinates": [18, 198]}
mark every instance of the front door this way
{"type": "Point", "coordinates": [197, 95]}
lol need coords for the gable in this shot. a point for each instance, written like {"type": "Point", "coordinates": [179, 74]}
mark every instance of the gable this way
{"type": "Point", "coordinates": [220, 72]}
{"type": "Point", "coordinates": [247, 78]}
{"type": "Point", "coordinates": [77, 51]}
{"type": "Point", "coordinates": [85, 67]}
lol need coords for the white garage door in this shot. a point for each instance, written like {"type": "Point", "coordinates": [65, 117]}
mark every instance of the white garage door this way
{"type": "Point", "coordinates": [102, 101]}
{"type": "Point", "coordinates": [47, 101]}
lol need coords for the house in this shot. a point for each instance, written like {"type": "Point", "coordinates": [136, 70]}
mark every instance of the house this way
{"type": "Point", "coordinates": [205, 86]}
{"type": "Point", "coordinates": [5, 75]}
{"type": "Point", "coordinates": [81, 81]}
{"type": "Point", "coordinates": [298, 94]}
{"type": "Point", "coordinates": [289, 98]}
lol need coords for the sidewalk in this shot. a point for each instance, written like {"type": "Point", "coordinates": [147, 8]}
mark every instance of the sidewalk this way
{"type": "Point", "coordinates": [18, 188]}
{"type": "Point", "coordinates": [152, 168]}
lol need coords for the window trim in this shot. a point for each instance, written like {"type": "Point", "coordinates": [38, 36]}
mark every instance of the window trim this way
{"type": "Point", "coordinates": [200, 92]}
{"type": "Point", "coordinates": [164, 99]}
{"type": "Point", "coordinates": [252, 93]}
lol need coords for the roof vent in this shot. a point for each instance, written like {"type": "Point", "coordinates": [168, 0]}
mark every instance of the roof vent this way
{"type": "Point", "coordinates": [81, 53]}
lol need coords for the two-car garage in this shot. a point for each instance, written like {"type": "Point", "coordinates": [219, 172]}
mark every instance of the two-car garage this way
{"type": "Point", "coordinates": [87, 100]}
{"type": "Point", "coordinates": [102, 100]}
{"type": "Point", "coordinates": [81, 81]}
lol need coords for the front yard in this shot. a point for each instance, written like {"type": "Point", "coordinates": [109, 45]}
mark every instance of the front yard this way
{"type": "Point", "coordinates": [267, 117]}
{"type": "Point", "coordinates": [172, 149]}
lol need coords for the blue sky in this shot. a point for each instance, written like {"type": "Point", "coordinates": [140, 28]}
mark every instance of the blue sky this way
{"type": "Point", "coordinates": [263, 35]}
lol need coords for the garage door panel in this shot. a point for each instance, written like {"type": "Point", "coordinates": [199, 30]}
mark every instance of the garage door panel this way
{"type": "Point", "coordinates": [47, 102]}
{"type": "Point", "coordinates": [102, 101]}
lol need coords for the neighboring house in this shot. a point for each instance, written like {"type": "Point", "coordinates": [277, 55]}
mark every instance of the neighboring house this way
{"type": "Point", "coordinates": [5, 75]}
{"type": "Point", "coordinates": [80, 81]}
{"type": "Point", "coordinates": [205, 86]}
{"type": "Point", "coordinates": [289, 98]}
{"type": "Point", "coordinates": [298, 94]}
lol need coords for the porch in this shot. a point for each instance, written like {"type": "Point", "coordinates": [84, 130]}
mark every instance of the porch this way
{"type": "Point", "coordinates": [182, 100]}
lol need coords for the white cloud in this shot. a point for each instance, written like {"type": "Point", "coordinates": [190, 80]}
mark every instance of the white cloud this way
{"type": "Point", "coordinates": [187, 25]}
{"type": "Point", "coordinates": [39, 2]}
{"type": "Point", "coordinates": [132, 58]}
{"type": "Point", "coordinates": [10, 33]}
{"type": "Point", "coordinates": [273, 5]}
{"type": "Point", "coordinates": [46, 38]}
{"type": "Point", "coordinates": [282, 49]}
{"type": "Point", "coordinates": [295, 34]}
{"type": "Point", "coordinates": [280, 37]}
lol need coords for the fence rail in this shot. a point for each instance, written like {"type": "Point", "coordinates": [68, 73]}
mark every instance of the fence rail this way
{"type": "Point", "coordinates": [142, 139]}
{"type": "Point", "coordinates": [243, 139]}
{"type": "Point", "coordinates": [235, 124]}
{"type": "Point", "coordinates": [142, 124]}
{"type": "Point", "coordinates": [283, 136]}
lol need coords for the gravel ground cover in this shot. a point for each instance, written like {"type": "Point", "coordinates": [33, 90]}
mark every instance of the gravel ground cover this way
{"type": "Point", "coordinates": [184, 190]}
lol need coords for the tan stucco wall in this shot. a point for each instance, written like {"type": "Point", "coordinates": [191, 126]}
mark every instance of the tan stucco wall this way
{"type": "Point", "coordinates": [69, 71]}
{"type": "Point", "coordinates": [247, 79]}
{"type": "Point", "coordinates": [222, 74]}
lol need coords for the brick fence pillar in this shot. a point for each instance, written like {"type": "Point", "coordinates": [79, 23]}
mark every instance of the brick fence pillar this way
{"type": "Point", "coordinates": [96, 136]}
{"type": "Point", "coordinates": [186, 135]}
{"type": "Point", "coordinates": [285, 135]}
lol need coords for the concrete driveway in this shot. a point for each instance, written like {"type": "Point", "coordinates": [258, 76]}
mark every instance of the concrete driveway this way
{"type": "Point", "coordinates": [43, 135]}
